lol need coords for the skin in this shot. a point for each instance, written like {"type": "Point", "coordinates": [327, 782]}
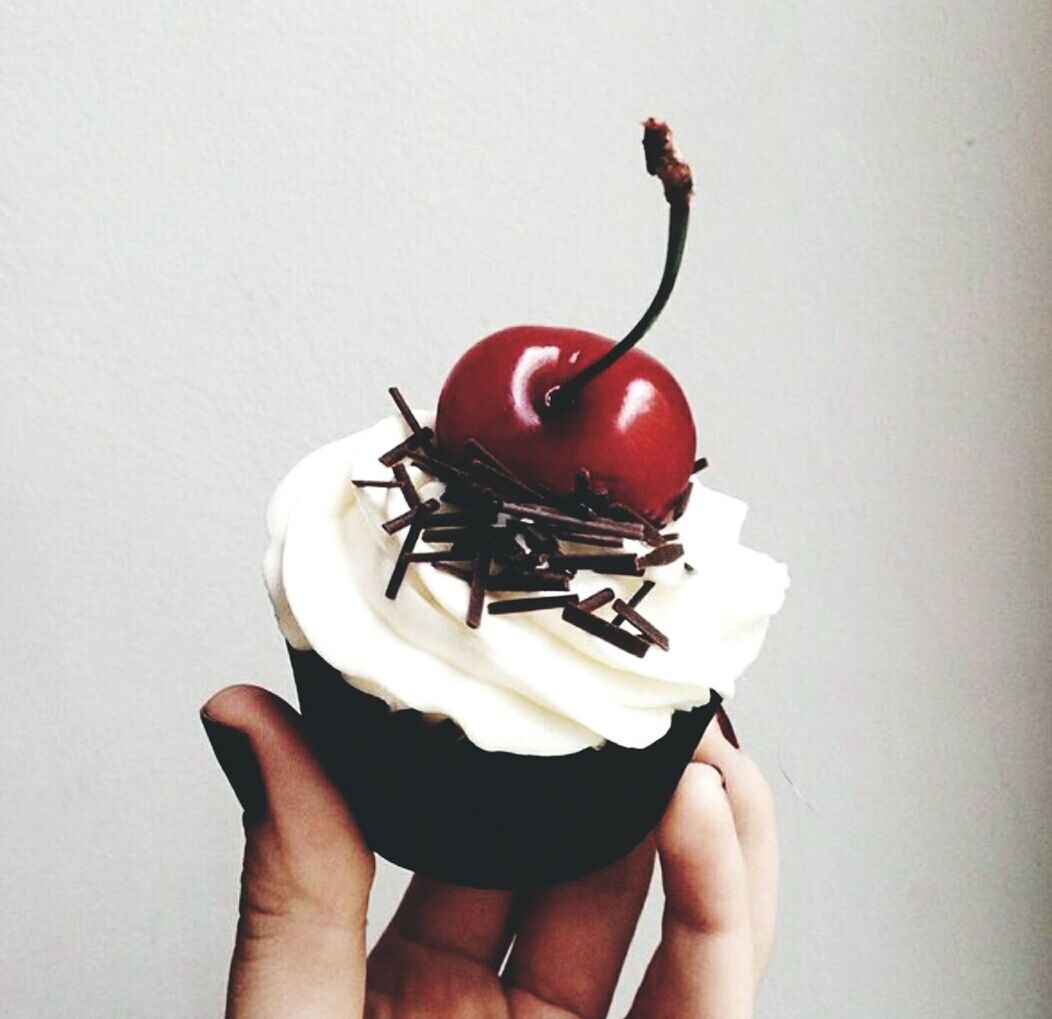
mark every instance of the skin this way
{"type": "Point", "coordinates": [301, 936]}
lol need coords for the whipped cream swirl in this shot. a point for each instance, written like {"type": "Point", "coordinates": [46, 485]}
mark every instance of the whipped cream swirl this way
{"type": "Point", "coordinates": [526, 683]}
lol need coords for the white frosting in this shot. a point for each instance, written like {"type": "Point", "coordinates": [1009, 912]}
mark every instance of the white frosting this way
{"type": "Point", "coordinates": [526, 683]}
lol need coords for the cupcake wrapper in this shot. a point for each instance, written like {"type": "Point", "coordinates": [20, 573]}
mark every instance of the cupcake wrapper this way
{"type": "Point", "coordinates": [429, 800]}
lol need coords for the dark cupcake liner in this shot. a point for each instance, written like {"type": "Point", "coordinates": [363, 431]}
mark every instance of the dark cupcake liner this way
{"type": "Point", "coordinates": [429, 800]}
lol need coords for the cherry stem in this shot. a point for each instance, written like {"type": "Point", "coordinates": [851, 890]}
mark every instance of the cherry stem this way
{"type": "Point", "coordinates": [664, 162]}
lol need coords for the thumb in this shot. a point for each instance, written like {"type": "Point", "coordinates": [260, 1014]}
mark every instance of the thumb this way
{"type": "Point", "coordinates": [300, 946]}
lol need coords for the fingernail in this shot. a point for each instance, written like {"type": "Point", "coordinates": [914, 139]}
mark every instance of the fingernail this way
{"type": "Point", "coordinates": [234, 753]}
{"type": "Point", "coordinates": [726, 728]}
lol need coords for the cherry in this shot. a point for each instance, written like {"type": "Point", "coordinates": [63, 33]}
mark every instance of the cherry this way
{"type": "Point", "coordinates": [551, 402]}
{"type": "Point", "coordinates": [631, 429]}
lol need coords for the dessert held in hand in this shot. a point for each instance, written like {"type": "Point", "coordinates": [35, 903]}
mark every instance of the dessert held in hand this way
{"type": "Point", "coordinates": [511, 619]}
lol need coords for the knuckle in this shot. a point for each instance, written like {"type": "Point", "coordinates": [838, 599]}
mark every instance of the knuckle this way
{"type": "Point", "coordinates": [750, 787]}
{"type": "Point", "coordinates": [700, 804]}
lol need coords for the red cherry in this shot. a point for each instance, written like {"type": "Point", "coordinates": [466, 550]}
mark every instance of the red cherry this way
{"type": "Point", "coordinates": [552, 402]}
{"type": "Point", "coordinates": [630, 428]}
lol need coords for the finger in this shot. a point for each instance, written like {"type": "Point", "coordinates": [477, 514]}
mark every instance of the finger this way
{"type": "Point", "coordinates": [572, 938]}
{"type": "Point", "coordinates": [753, 808]}
{"type": "Point", "coordinates": [471, 922]}
{"type": "Point", "coordinates": [703, 967]}
{"type": "Point", "coordinates": [443, 946]}
{"type": "Point", "coordinates": [301, 937]}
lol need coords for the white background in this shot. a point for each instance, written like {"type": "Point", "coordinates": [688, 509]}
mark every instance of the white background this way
{"type": "Point", "coordinates": [226, 228]}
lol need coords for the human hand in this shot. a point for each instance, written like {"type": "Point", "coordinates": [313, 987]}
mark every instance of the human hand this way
{"type": "Point", "coordinates": [301, 948]}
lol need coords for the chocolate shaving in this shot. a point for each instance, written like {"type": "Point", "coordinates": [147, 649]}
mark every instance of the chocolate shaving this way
{"type": "Point", "coordinates": [598, 540]}
{"type": "Point", "coordinates": [485, 459]}
{"type": "Point", "coordinates": [648, 532]}
{"type": "Point", "coordinates": [406, 485]}
{"type": "Point", "coordinates": [700, 464]}
{"type": "Point", "coordinates": [402, 520]}
{"type": "Point", "coordinates": [597, 627]}
{"type": "Point", "coordinates": [499, 480]}
{"type": "Point", "coordinates": [681, 503]}
{"type": "Point", "coordinates": [688, 568]}
{"type": "Point", "coordinates": [402, 564]}
{"type": "Point", "coordinates": [640, 593]}
{"type": "Point", "coordinates": [373, 484]}
{"type": "Point", "coordinates": [591, 499]}
{"type": "Point", "coordinates": [625, 563]}
{"type": "Point", "coordinates": [405, 410]}
{"type": "Point", "coordinates": [439, 469]}
{"type": "Point", "coordinates": [444, 535]}
{"type": "Point", "coordinates": [591, 496]}
{"type": "Point", "coordinates": [510, 536]}
{"type": "Point", "coordinates": [512, 605]}
{"type": "Point", "coordinates": [662, 556]}
{"type": "Point", "coordinates": [597, 600]}
{"type": "Point", "coordinates": [454, 571]}
{"type": "Point", "coordinates": [513, 580]}
{"type": "Point", "coordinates": [542, 514]}
{"type": "Point", "coordinates": [396, 524]}
{"type": "Point", "coordinates": [406, 446]}
{"type": "Point", "coordinates": [538, 540]}
{"type": "Point", "coordinates": [457, 519]}
{"type": "Point", "coordinates": [641, 623]}
{"type": "Point", "coordinates": [479, 576]}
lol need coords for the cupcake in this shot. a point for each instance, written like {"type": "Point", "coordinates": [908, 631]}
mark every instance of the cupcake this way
{"type": "Point", "coordinates": [511, 617]}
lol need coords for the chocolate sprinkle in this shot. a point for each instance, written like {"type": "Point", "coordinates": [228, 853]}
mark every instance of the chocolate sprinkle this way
{"type": "Point", "coordinates": [582, 484]}
{"type": "Point", "coordinates": [597, 627]}
{"type": "Point", "coordinates": [479, 576]}
{"type": "Point", "coordinates": [454, 571]}
{"type": "Point", "coordinates": [499, 481]}
{"type": "Point", "coordinates": [420, 515]}
{"type": "Point", "coordinates": [539, 540]}
{"type": "Point", "coordinates": [443, 471]}
{"type": "Point", "coordinates": [484, 459]}
{"type": "Point", "coordinates": [457, 519]}
{"type": "Point", "coordinates": [681, 503]}
{"type": "Point", "coordinates": [648, 532]}
{"type": "Point", "coordinates": [405, 410]}
{"type": "Point", "coordinates": [405, 447]}
{"type": "Point", "coordinates": [640, 593]}
{"type": "Point", "coordinates": [598, 540]}
{"type": "Point", "coordinates": [542, 514]}
{"type": "Point", "coordinates": [512, 605]}
{"type": "Point", "coordinates": [597, 600]}
{"type": "Point", "coordinates": [512, 580]}
{"type": "Point", "coordinates": [406, 485]}
{"type": "Point", "coordinates": [503, 534]}
{"type": "Point", "coordinates": [444, 535]}
{"type": "Point", "coordinates": [400, 521]}
{"type": "Point", "coordinates": [661, 556]}
{"type": "Point", "coordinates": [641, 623]}
{"type": "Point", "coordinates": [700, 464]}
{"type": "Point", "coordinates": [625, 563]}
{"type": "Point", "coordinates": [405, 519]}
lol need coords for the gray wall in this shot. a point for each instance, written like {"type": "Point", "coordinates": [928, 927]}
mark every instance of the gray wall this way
{"type": "Point", "coordinates": [223, 233]}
